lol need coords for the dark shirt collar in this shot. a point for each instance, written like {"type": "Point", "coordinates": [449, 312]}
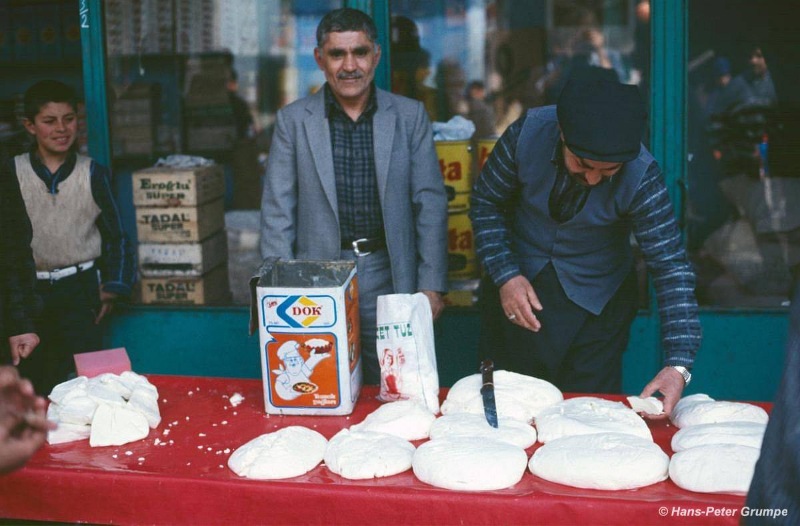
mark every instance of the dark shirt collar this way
{"type": "Point", "coordinates": [333, 108]}
{"type": "Point", "coordinates": [53, 179]}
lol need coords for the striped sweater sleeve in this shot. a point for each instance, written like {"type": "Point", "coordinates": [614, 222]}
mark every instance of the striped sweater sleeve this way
{"type": "Point", "coordinates": [494, 190]}
{"type": "Point", "coordinates": [659, 238]}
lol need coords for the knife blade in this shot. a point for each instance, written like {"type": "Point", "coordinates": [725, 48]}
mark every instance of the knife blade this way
{"type": "Point", "coordinates": [487, 392]}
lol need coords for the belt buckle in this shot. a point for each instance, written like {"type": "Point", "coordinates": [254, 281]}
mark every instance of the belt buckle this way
{"type": "Point", "coordinates": [357, 251]}
{"type": "Point", "coordinates": [55, 274]}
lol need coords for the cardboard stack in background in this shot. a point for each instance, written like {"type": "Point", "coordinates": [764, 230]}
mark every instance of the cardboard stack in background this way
{"type": "Point", "coordinates": [209, 121]}
{"type": "Point", "coordinates": [457, 162]}
{"type": "Point", "coordinates": [133, 120]}
{"type": "Point", "coordinates": [180, 221]}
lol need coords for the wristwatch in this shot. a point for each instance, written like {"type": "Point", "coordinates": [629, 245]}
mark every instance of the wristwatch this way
{"type": "Point", "coordinates": [687, 376]}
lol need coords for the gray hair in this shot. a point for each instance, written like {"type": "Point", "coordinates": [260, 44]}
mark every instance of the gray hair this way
{"type": "Point", "coordinates": [346, 19]}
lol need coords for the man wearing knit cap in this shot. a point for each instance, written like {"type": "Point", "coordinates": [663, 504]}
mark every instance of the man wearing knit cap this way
{"type": "Point", "coordinates": [553, 211]}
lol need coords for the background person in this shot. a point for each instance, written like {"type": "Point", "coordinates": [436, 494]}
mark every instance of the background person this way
{"type": "Point", "coordinates": [19, 303]}
{"type": "Point", "coordinates": [552, 211]}
{"type": "Point", "coordinates": [353, 165]}
{"type": "Point", "coordinates": [776, 481]}
{"type": "Point", "coordinates": [76, 233]}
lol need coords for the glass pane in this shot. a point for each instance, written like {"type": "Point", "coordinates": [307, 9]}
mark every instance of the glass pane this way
{"type": "Point", "coordinates": [742, 218]}
{"type": "Point", "coordinates": [203, 78]}
{"type": "Point", "coordinates": [490, 60]}
{"type": "Point", "coordinates": [36, 44]}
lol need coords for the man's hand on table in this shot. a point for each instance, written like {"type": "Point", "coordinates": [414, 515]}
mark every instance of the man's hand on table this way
{"type": "Point", "coordinates": [669, 383]}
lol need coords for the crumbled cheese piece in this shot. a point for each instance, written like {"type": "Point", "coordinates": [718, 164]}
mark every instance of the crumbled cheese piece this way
{"type": "Point", "coordinates": [236, 399]}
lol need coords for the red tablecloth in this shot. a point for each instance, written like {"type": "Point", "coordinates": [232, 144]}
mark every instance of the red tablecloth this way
{"type": "Point", "coordinates": [187, 481]}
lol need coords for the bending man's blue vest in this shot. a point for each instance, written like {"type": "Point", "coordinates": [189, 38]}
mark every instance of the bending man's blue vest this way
{"type": "Point", "coordinates": [590, 252]}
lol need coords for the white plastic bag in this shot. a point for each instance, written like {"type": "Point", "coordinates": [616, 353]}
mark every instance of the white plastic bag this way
{"type": "Point", "coordinates": [406, 350]}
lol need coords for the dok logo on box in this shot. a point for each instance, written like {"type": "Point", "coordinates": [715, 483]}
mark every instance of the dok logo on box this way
{"type": "Point", "coordinates": [299, 312]}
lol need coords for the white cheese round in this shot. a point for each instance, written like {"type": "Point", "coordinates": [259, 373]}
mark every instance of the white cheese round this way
{"type": "Point", "coordinates": [701, 409]}
{"type": "Point", "coordinates": [586, 415]}
{"type": "Point", "coordinates": [406, 419]}
{"type": "Point", "coordinates": [741, 433]}
{"type": "Point", "coordinates": [285, 453]}
{"type": "Point", "coordinates": [516, 396]}
{"type": "Point", "coordinates": [364, 454]}
{"type": "Point", "coordinates": [511, 431]}
{"type": "Point", "coordinates": [607, 461]}
{"type": "Point", "coordinates": [469, 464]}
{"type": "Point", "coordinates": [721, 468]}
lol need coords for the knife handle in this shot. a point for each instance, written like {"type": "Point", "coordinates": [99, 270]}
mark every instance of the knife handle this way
{"type": "Point", "coordinates": [487, 370]}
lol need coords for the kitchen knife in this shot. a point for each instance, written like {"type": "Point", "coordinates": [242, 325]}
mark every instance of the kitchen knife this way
{"type": "Point", "coordinates": [487, 392]}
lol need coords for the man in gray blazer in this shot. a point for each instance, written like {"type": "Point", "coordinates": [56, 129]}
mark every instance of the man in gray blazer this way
{"type": "Point", "coordinates": [353, 174]}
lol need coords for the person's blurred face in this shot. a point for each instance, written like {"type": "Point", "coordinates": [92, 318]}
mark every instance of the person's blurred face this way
{"type": "Point", "coordinates": [757, 63]}
{"type": "Point", "coordinates": [477, 93]}
{"type": "Point", "coordinates": [587, 171]}
{"type": "Point", "coordinates": [348, 60]}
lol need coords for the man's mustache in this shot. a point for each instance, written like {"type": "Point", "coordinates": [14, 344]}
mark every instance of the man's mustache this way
{"type": "Point", "coordinates": [349, 76]}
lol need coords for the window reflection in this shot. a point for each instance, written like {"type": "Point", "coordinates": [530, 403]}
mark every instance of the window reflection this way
{"type": "Point", "coordinates": [743, 225]}
{"type": "Point", "coordinates": [205, 78]}
{"type": "Point", "coordinates": [491, 60]}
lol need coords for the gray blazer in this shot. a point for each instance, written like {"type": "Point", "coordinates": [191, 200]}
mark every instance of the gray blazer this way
{"type": "Point", "coordinates": [299, 211]}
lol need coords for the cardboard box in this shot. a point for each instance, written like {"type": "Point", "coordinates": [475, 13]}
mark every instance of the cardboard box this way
{"type": "Point", "coordinates": [307, 318]}
{"type": "Point", "coordinates": [211, 138]}
{"type": "Point", "coordinates": [49, 28]}
{"type": "Point", "coordinates": [26, 37]}
{"type": "Point", "coordinates": [165, 186]}
{"type": "Point", "coordinates": [179, 223]}
{"type": "Point", "coordinates": [6, 53]}
{"type": "Point", "coordinates": [211, 288]}
{"type": "Point", "coordinates": [183, 259]}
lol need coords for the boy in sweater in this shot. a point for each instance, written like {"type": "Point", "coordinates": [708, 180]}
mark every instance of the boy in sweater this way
{"type": "Point", "coordinates": [84, 261]}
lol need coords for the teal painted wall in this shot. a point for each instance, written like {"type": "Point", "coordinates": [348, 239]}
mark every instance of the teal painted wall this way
{"type": "Point", "coordinates": [741, 358]}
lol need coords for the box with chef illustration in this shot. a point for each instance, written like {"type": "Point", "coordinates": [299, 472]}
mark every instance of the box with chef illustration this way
{"type": "Point", "coordinates": [307, 318]}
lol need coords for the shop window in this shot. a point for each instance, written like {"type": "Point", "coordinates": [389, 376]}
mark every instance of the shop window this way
{"type": "Point", "coordinates": [38, 39]}
{"type": "Point", "coordinates": [491, 60]}
{"type": "Point", "coordinates": [203, 78]}
{"type": "Point", "coordinates": [742, 218]}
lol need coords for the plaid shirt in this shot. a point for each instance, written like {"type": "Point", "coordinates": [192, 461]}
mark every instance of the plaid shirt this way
{"type": "Point", "coordinates": [117, 264]}
{"type": "Point", "coordinates": [653, 225]}
{"type": "Point", "coordinates": [354, 165]}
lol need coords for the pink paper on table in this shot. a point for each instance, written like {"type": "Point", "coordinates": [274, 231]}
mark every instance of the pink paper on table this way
{"type": "Point", "coordinates": [91, 364]}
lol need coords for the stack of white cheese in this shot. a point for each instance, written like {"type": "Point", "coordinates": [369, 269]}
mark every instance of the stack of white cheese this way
{"type": "Point", "coordinates": [463, 452]}
{"type": "Point", "coordinates": [594, 443]}
{"type": "Point", "coordinates": [109, 409]}
{"type": "Point", "coordinates": [717, 446]}
{"type": "Point", "coordinates": [588, 442]}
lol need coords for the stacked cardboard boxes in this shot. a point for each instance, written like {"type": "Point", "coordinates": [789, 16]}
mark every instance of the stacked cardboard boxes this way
{"type": "Point", "coordinates": [133, 120]}
{"type": "Point", "coordinates": [183, 248]}
{"type": "Point", "coordinates": [209, 121]}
